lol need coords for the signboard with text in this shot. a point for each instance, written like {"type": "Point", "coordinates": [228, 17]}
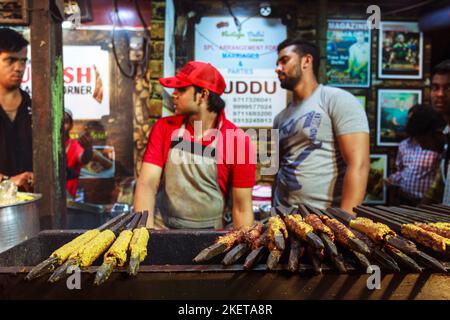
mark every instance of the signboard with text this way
{"type": "Point", "coordinates": [247, 59]}
{"type": "Point", "coordinates": [86, 81]}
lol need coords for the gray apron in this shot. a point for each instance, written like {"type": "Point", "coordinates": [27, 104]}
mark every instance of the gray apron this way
{"type": "Point", "coordinates": [190, 196]}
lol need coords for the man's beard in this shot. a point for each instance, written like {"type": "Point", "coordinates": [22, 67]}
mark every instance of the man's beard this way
{"type": "Point", "coordinates": [10, 85]}
{"type": "Point", "coordinates": [290, 83]}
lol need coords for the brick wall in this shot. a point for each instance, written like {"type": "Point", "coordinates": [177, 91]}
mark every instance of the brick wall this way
{"type": "Point", "coordinates": [147, 96]}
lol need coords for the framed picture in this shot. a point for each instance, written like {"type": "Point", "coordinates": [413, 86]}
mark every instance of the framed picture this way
{"type": "Point", "coordinates": [102, 165]}
{"type": "Point", "coordinates": [83, 6]}
{"type": "Point", "coordinates": [393, 106]}
{"type": "Point", "coordinates": [14, 12]}
{"type": "Point", "coordinates": [363, 100]}
{"type": "Point", "coordinates": [376, 188]}
{"type": "Point", "coordinates": [348, 53]}
{"type": "Point", "coordinates": [400, 50]}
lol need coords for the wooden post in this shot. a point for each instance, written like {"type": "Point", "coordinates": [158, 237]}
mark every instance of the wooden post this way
{"type": "Point", "coordinates": [49, 159]}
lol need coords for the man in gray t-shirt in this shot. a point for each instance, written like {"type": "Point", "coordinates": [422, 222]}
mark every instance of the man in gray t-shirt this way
{"type": "Point", "coordinates": [324, 136]}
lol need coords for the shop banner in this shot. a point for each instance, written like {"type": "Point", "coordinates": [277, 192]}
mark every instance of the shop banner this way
{"type": "Point", "coordinates": [86, 81]}
{"type": "Point", "coordinates": [246, 57]}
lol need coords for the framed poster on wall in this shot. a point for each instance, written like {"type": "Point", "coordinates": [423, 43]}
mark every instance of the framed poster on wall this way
{"type": "Point", "coordinates": [400, 50]}
{"type": "Point", "coordinates": [376, 188]}
{"type": "Point", "coordinates": [362, 98]}
{"type": "Point", "coordinates": [14, 12]}
{"type": "Point", "coordinates": [348, 53]}
{"type": "Point", "coordinates": [392, 114]}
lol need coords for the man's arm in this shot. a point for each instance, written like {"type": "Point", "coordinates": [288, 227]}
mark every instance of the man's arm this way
{"type": "Point", "coordinates": [24, 180]}
{"type": "Point", "coordinates": [242, 207]}
{"type": "Point", "coordinates": [146, 189]}
{"type": "Point", "coordinates": [85, 141]}
{"type": "Point", "coordinates": [354, 148]}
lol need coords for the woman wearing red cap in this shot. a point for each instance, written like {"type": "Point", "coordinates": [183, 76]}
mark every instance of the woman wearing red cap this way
{"type": "Point", "coordinates": [197, 159]}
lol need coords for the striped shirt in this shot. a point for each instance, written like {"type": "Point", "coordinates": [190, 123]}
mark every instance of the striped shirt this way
{"type": "Point", "coordinates": [416, 168]}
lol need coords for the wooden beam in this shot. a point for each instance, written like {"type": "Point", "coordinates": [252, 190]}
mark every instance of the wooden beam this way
{"type": "Point", "coordinates": [49, 159]}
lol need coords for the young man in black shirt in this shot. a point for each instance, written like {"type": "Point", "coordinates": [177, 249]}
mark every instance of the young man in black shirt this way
{"type": "Point", "coordinates": [16, 158]}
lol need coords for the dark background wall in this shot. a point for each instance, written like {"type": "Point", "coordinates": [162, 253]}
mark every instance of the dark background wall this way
{"type": "Point", "coordinates": [308, 19]}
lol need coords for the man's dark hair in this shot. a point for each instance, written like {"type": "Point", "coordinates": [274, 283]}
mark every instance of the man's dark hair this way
{"type": "Point", "coordinates": [215, 102]}
{"type": "Point", "coordinates": [303, 47]}
{"type": "Point", "coordinates": [442, 67]}
{"type": "Point", "coordinates": [423, 120]}
{"type": "Point", "coordinates": [11, 40]}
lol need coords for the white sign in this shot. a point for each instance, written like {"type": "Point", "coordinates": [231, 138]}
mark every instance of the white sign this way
{"type": "Point", "coordinates": [246, 57]}
{"type": "Point", "coordinates": [86, 81]}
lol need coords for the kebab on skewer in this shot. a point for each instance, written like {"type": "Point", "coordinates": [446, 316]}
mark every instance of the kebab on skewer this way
{"type": "Point", "coordinates": [249, 237]}
{"type": "Point", "coordinates": [138, 245]}
{"type": "Point", "coordinates": [60, 255]}
{"type": "Point", "coordinates": [408, 248]}
{"type": "Point", "coordinates": [222, 244]}
{"type": "Point", "coordinates": [117, 254]}
{"type": "Point", "coordinates": [303, 231]}
{"type": "Point", "coordinates": [426, 238]}
{"type": "Point", "coordinates": [90, 251]}
{"type": "Point", "coordinates": [277, 233]}
{"type": "Point", "coordinates": [311, 216]}
{"type": "Point", "coordinates": [258, 248]}
{"type": "Point", "coordinates": [436, 228]}
{"type": "Point", "coordinates": [344, 236]}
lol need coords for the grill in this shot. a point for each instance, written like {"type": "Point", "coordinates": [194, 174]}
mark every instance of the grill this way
{"type": "Point", "coordinates": [169, 273]}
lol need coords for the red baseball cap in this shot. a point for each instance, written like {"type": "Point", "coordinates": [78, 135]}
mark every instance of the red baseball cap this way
{"type": "Point", "coordinates": [198, 74]}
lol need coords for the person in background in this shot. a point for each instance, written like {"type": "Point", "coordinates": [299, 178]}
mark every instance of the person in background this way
{"type": "Point", "coordinates": [440, 101]}
{"type": "Point", "coordinates": [323, 136]}
{"type": "Point", "coordinates": [419, 155]}
{"type": "Point", "coordinates": [16, 151]}
{"type": "Point", "coordinates": [196, 159]}
{"type": "Point", "coordinates": [78, 153]}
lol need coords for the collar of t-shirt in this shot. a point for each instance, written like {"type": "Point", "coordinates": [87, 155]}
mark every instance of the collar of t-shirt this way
{"type": "Point", "coordinates": [208, 138]}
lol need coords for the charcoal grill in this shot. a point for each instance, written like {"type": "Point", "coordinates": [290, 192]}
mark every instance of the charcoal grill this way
{"type": "Point", "coordinates": [168, 273]}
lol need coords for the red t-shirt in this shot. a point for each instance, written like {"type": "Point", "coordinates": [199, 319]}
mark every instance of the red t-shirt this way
{"type": "Point", "coordinates": [73, 157]}
{"type": "Point", "coordinates": [236, 159]}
